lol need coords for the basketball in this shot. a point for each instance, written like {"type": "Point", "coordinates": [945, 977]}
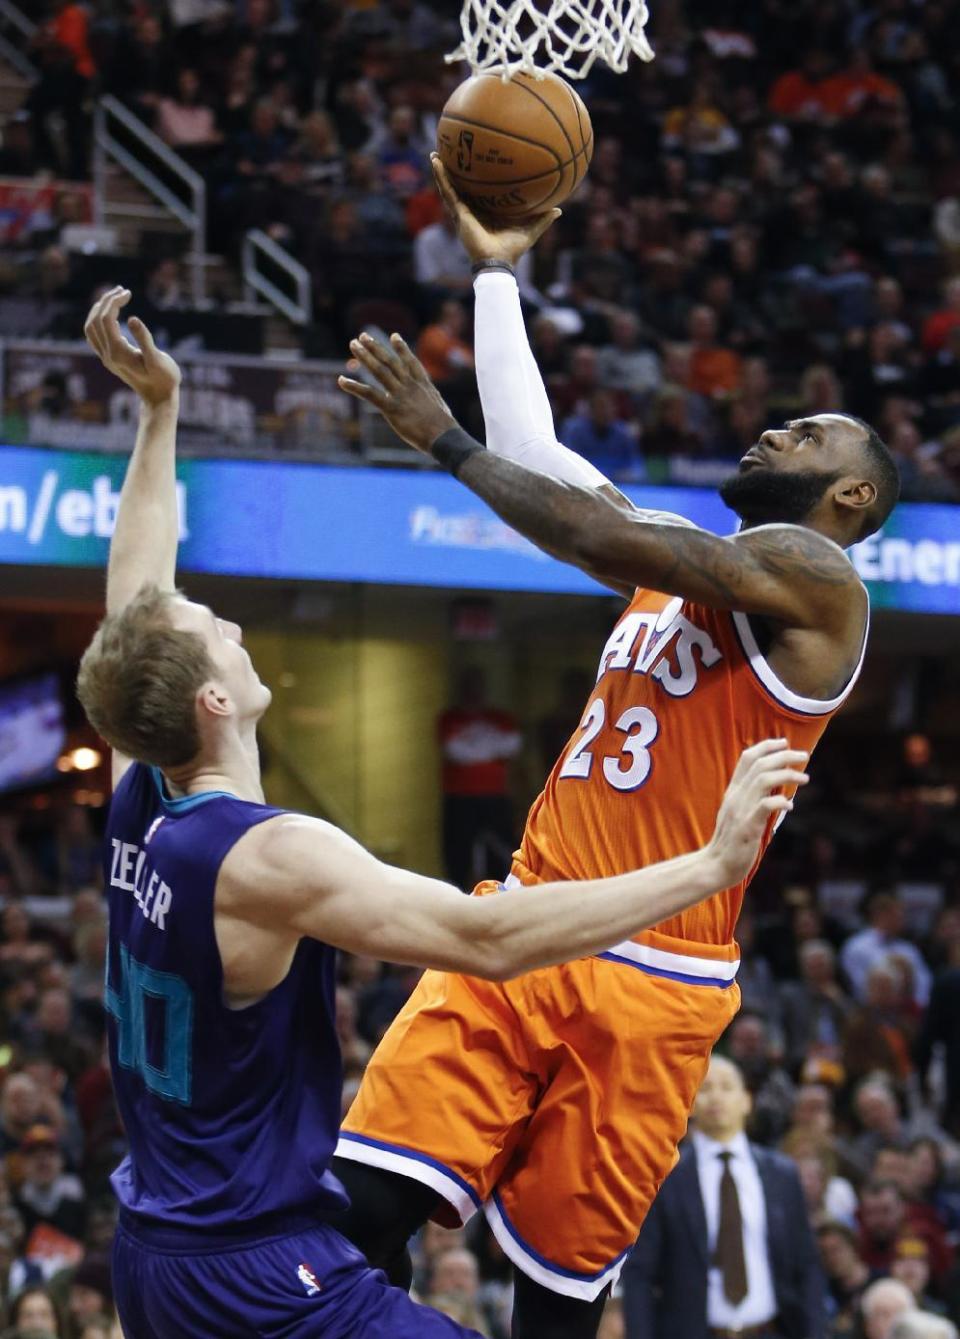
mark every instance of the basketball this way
{"type": "Point", "coordinates": [515, 147]}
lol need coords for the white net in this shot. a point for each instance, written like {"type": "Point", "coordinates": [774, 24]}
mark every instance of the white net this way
{"type": "Point", "coordinates": [562, 35]}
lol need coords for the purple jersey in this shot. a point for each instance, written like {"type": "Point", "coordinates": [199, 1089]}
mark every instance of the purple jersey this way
{"type": "Point", "coordinates": [232, 1114]}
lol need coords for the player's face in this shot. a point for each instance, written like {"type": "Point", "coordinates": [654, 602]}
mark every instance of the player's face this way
{"type": "Point", "coordinates": [235, 669]}
{"type": "Point", "coordinates": [788, 471]}
{"type": "Point", "coordinates": [723, 1103]}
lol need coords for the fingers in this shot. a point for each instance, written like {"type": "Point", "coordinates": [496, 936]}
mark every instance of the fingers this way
{"type": "Point", "coordinates": [446, 189]}
{"type": "Point", "coordinates": [361, 391]}
{"type": "Point", "coordinates": [544, 223]}
{"type": "Point", "coordinates": [379, 360]}
{"type": "Point", "coordinates": [143, 337]}
{"type": "Point", "coordinates": [93, 325]}
{"type": "Point", "coordinates": [408, 358]}
{"type": "Point", "coordinates": [103, 326]}
{"type": "Point", "coordinates": [782, 776]}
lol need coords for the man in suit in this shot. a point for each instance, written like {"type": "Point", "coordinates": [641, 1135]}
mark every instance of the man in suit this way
{"type": "Point", "coordinates": [726, 1251]}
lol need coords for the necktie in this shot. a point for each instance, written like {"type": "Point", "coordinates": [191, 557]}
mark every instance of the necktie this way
{"type": "Point", "coordinates": [728, 1256]}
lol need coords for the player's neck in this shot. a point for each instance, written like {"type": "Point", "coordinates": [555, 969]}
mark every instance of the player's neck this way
{"type": "Point", "coordinates": [234, 770]}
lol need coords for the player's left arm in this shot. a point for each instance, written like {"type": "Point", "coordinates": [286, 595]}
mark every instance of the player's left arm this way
{"type": "Point", "coordinates": [783, 572]}
{"type": "Point", "coordinates": [144, 544]}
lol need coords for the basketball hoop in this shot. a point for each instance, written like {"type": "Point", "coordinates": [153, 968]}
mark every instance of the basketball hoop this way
{"type": "Point", "coordinates": [566, 36]}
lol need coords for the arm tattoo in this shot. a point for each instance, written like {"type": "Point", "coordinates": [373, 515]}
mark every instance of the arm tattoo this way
{"type": "Point", "coordinates": [792, 552]}
{"type": "Point", "coordinates": [765, 571]}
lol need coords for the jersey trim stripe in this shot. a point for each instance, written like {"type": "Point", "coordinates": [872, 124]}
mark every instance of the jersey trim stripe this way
{"type": "Point", "coordinates": [629, 955]}
{"type": "Point", "coordinates": [585, 1287]}
{"type": "Point", "coordinates": [408, 1162]}
{"type": "Point", "coordinates": [808, 706]}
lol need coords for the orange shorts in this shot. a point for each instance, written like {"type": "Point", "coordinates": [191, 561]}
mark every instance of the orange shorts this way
{"type": "Point", "coordinates": [555, 1102]}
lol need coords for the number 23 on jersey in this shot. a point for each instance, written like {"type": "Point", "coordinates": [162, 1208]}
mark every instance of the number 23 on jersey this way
{"type": "Point", "coordinates": [626, 770]}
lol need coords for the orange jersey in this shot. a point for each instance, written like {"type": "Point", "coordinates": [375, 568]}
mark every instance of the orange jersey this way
{"type": "Point", "coordinates": [681, 691]}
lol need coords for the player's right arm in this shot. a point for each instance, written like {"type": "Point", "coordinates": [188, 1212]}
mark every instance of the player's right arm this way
{"type": "Point", "coordinates": [518, 419]}
{"type": "Point", "coordinates": [144, 544]}
{"type": "Point", "coordinates": [300, 875]}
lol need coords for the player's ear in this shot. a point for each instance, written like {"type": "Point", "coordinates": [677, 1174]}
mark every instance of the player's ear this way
{"type": "Point", "coordinates": [214, 699]}
{"type": "Point", "coordinates": [855, 494]}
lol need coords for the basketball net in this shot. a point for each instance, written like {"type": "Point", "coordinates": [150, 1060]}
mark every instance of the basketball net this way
{"type": "Point", "coordinates": [562, 35]}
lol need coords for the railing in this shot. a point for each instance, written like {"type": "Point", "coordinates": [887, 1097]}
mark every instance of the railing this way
{"type": "Point", "coordinates": [16, 33]}
{"type": "Point", "coordinates": [123, 138]}
{"type": "Point", "coordinates": [267, 266]}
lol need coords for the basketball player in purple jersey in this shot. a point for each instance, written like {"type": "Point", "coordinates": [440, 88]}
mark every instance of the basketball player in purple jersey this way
{"type": "Point", "coordinates": [225, 915]}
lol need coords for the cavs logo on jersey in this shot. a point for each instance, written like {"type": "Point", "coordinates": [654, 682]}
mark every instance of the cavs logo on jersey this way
{"type": "Point", "coordinates": [309, 1280]}
{"type": "Point", "coordinates": [664, 644]}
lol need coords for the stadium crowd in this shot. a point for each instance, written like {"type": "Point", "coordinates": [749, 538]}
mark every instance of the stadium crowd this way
{"type": "Point", "coordinates": [848, 1040]}
{"type": "Point", "coordinates": [770, 226]}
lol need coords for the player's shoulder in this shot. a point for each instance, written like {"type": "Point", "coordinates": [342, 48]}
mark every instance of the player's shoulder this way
{"type": "Point", "coordinates": [797, 551]}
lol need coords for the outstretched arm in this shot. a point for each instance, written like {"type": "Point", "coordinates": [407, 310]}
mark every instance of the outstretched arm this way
{"type": "Point", "coordinates": [144, 544]}
{"type": "Point", "coordinates": [518, 420]}
{"type": "Point", "coordinates": [300, 875]}
{"type": "Point", "coordinates": [783, 572]}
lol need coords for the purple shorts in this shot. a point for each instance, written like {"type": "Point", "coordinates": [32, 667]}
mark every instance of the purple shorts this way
{"type": "Point", "coordinates": [310, 1281]}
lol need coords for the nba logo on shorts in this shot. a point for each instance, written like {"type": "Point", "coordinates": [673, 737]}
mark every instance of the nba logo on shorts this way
{"type": "Point", "coordinates": [309, 1280]}
{"type": "Point", "coordinates": [465, 150]}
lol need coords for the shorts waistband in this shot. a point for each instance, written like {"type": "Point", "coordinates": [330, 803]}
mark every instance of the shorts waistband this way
{"type": "Point", "coordinates": [200, 1240]}
{"type": "Point", "coordinates": [691, 968]}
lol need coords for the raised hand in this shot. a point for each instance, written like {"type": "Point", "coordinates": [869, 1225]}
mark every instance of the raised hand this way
{"type": "Point", "coordinates": [485, 241]}
{"type": "Point", "coordinates": [751, 797]}
{"type": "Point", "coordinates": [152, 374]}
{"type": "Point", "coordinates": [405, 395]}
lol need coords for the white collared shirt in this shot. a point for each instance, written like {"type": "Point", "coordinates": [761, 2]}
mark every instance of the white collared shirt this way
{"type": "Point", "coordinates": [760, 1303]}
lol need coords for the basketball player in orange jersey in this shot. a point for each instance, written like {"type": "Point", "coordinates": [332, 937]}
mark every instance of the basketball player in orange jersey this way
{"type": "Point", "coordinates": [555, 1103]}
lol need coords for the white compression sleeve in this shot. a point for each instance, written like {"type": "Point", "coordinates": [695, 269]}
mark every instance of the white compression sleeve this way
{"type": "Point", "coordinates": [516, 410]}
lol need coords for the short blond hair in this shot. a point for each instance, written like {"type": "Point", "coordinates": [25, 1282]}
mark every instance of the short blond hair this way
{"type": "Point", "coordinates": [139, 678]}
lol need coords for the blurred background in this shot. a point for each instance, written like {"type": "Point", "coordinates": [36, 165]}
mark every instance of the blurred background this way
{"type": "Point", "coordinates": [770, 227]}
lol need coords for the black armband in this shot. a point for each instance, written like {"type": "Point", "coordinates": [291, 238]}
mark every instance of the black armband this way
{"type": "Point", "coordinates": [494, 266]}
{"type": "Point", "coordinates": [453, 447]}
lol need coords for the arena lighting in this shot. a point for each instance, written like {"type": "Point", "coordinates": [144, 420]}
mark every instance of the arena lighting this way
{"type": "Point", "coordinates": [79, 760]}
{"type": "Point", "coordinates": [85, 759]}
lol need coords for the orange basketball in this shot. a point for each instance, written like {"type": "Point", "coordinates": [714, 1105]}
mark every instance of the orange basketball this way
{"type": "Point", "coordinates": [515, 147]}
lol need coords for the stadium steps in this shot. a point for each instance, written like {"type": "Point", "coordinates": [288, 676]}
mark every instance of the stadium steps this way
{"type": "Point", "coordinates": [13, 91]}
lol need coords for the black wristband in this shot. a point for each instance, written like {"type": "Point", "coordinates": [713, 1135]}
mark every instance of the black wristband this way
{"type": "Point", "coordinates": [491, 266]}
{"type": "Point", "coordinates": [453, 447]}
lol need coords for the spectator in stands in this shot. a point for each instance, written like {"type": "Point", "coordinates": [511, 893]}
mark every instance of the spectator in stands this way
{"type": "Point", "coordinates": [757, 1054]}
{"type": "Point", "coordinates": [186, 123]}
{"type": "Point", "coordinates": [878, 1114]}
{"type": "Point", "coordinates": [455, 1287]}
{"type": "Point", "coordinates": [846, 1274]}
{"type": "Point", "coordinates": [829, 1198]}
{"type": "Point", "coordinates": [603, 439]}
{"type": "Point", "coordinates": [33, 1316]}
{"type": "Point", "coordinates": [477, 742]}
{"type": "Point", "coordinates": [922, 1325]}
{"type": "Point", "coordinates": [448, 358]}
{"type": "Point", "coordinates": [941, 1025]}
{"type": "Point", "coordinates": [49, 1195]}
{"type": "Point", "coordinates": [440, 262]}
{"type": "Point", "coordinates": [625, 364]}
{"type": "Point", "coordinates": [714, 370]}
{"type": "Point", "coordinates": [815, 1008]}
{"type": "Point", "coordinates": [881, 1306]}
{"type": "Point", "coordinates": [90, 1293]}
{"type": "Point", "coordinates": [911, 1266]}
{"type": "Point", "coordinates": [66, 69]}
{"type": "Point", "coordinates": [403, 157]}
{"type": "Point", "coordinates": [939, 323]}
{"type": "Point", "coordinates": [881, 937]}
{"type": "Point", "coordinates": [877, 1034]}
{"type": "Point", "coordinates": [798, 94]}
